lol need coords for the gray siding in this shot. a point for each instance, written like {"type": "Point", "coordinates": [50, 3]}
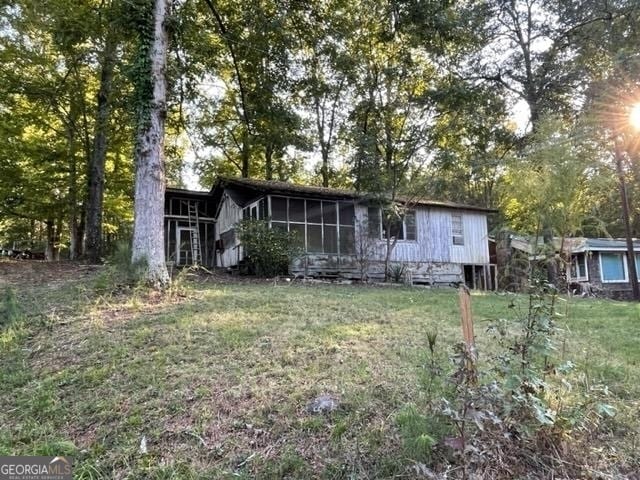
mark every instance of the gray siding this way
{"type": "Point", "coordinates": [431, 258]}
{"type": "Point", "coordinates": [230, 214]}
{"type": "Point", "coordinates": [476, 240]}
{"type": "Point", "coordinates": [434, 239]}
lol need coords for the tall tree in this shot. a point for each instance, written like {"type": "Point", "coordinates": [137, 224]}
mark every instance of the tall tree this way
{"type": "Point", "coordinates": [148, 227]}
{"type": "Point", "coordinates": [96, 169]}
{"type": "Point", "coordinates": [326, 67]}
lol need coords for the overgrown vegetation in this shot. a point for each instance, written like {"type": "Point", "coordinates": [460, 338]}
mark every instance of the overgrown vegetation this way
{"type": "Point", "coordinates": [119, 272]}
{"type": "Point", "coordinates": [519, 413]}
{"type": "Point", "coordinates": [217, 382]}
{"type": "Point", "coordinates": [269, 250]}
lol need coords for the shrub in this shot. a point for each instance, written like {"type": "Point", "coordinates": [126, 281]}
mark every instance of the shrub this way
{"type": "Point", "coordinates": [269, 251]}
{"type": "Point", "coordinates": [397, 271]}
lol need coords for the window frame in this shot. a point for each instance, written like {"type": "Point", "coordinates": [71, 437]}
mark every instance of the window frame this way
{"type": "Point", "coordinates": [337, 225]}
{"type": "Point", "coordinates": [460, 235]}
{"type": "Point", "coordinates": [381, 236]}
{"type": "Point", "coordinates": [624, 267]}
{"type": "Point", "coordinates": [574, 261]}
{"type": "Point", "coordinates": [249, 210]}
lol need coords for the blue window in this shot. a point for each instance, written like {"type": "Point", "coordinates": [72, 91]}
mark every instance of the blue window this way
{"type": "Point", "coordinates": [613, 267]}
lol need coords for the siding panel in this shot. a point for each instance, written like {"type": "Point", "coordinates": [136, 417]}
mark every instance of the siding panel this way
{"type": "Point", "coordinates": [476, 240]}
{"type": "Point", "coordinates": [230, 214]}
{"type": "Point", "coordinates": [433, 241]}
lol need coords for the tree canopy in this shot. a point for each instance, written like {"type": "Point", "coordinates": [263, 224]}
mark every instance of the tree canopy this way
{"type": "Point", "coordinates": [391, 96]}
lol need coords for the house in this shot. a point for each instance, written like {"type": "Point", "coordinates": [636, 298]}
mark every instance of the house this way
{"type": "Point", "coordinates": [341, 231]}
{"type": "Point", "coordinates": [189, 227]}
{"type": "Point", "coordinates": [599, 266]}
{"type": "Point", "coordinates": [594, 266]}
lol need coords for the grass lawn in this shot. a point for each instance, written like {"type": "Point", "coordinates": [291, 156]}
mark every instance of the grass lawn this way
{"type": "Point", "coordinates": [216, 379]}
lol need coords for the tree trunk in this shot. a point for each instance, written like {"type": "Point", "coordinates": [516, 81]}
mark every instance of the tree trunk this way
{"type": "Point", "coordinates": [49, 253]}
{"type": "Point", "coordinates": [73, 179]}
{"type": "Point", "coordinates": [95, 180]}
{"type": "Point", "coordinates": [552, 263]}
{"type": "Point", "coordinates": [268, 162]}
{"type": "Point", "coordinates": [631, 263]}
{"type": "Point", "coordinates": [325, 167]}
{"type": "Point", "coordinates": [80, 232]}
{"type": "Point", "coordinates": [148, 225]}
{"type": "Point", "coordinates": [244, 171]}
{"type": "Point", "coordinates": [57, 238]}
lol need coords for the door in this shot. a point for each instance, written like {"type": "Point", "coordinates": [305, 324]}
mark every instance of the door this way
{"type": "Point", "coordinates": [184, 254]}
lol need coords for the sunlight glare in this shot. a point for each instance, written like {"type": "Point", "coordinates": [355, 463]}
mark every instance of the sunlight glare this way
{"type": "Point", "coordinates": [634, 116]}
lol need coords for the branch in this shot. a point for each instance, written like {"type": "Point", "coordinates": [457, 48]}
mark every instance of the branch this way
{"type": "Point", "coordinates": [234, 58]}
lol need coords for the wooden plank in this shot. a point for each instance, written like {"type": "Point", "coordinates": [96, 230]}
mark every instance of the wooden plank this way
{"type": "Point", "coordinates": [467, 330]}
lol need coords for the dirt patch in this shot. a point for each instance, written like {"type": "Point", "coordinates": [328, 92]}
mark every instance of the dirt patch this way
{"type": "Point", "coordinates": [28, 273]}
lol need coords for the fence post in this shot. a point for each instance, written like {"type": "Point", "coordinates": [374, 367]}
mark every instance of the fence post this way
{"type": "Point", "coordinates": [467, 330]}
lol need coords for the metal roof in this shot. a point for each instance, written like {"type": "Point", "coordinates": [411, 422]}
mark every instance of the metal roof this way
{"type": "Point", "coordinates": [609, 244]}
{"type": "Point", "coordinates": [573, 244]}
{"type": "Point", "coordinates": [185, 191]}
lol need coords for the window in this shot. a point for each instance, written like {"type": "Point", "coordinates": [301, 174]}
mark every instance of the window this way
{"type": "Point", "coordinates": [314, 238]}
{"type": "Point", "coordinates": [400, 228]}
{"type": "Point", "coordinates": [321, 226]}
{"type": "Point", "coordinates": [410, 230]}
{"type": "Point", "coordinates": [330, 227]}
{"type": "Point", "coordinates": [374, 222]}
{"type": "Point", "coordinates": [637, 265]}
{"type": "Point", "coordinates": [613, 267]}
{"type": "Point", "coordinates": [296, 210]}
{"type": "Point", "coordinates": [347, 217]}
{"type": "Point", "coordinates": [396, 229]}
{"type": "Point", "coordinates": [254, 211]}
{"type": "Point", "coordinates": [279, 209]}
{"type": "Point", "coordinates": [457, 229]}
{"type": "Point", "coordinates": [578, 267]}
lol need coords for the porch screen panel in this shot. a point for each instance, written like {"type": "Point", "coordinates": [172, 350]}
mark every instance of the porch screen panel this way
{"type": "Point", "coordinates": [347, 240]}
{"type": "Point", "coordinates": [314, 226]}
{"type": "Point", "coordinates": [329, 215]}
{"type": "Point", "coordinates": [279, 226]}
{"type": "Point", "coordinates": [314, 211]}
{"type": "Point", "coordinates": [296, 210]}
{"type": "Point", "coordinates": [171, 234]}
{"type": "Point", "coordinates": [314, 238]}
{"type": "Point", "coordinates": [330, 242]}
{"type": "Point", "coordinates": [298, 229]}
{"type": "Point", "coordinates": [262, 209]}
{"type": "Point", "coordinates": [347, 213]}
{"type": "Point", "coordinates": [612, 267]}
{"type": "Point", "coordinates": [330, 227]}
{"type": "Point", "coordinates": [279, 209]}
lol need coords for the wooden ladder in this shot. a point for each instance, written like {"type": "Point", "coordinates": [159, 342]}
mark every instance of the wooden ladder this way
{"type": "Point", "coordinates": [194, 225]}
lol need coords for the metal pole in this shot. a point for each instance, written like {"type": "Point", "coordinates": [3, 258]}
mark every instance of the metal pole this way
{"type": "Point", "coordinates": [631, 261]}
